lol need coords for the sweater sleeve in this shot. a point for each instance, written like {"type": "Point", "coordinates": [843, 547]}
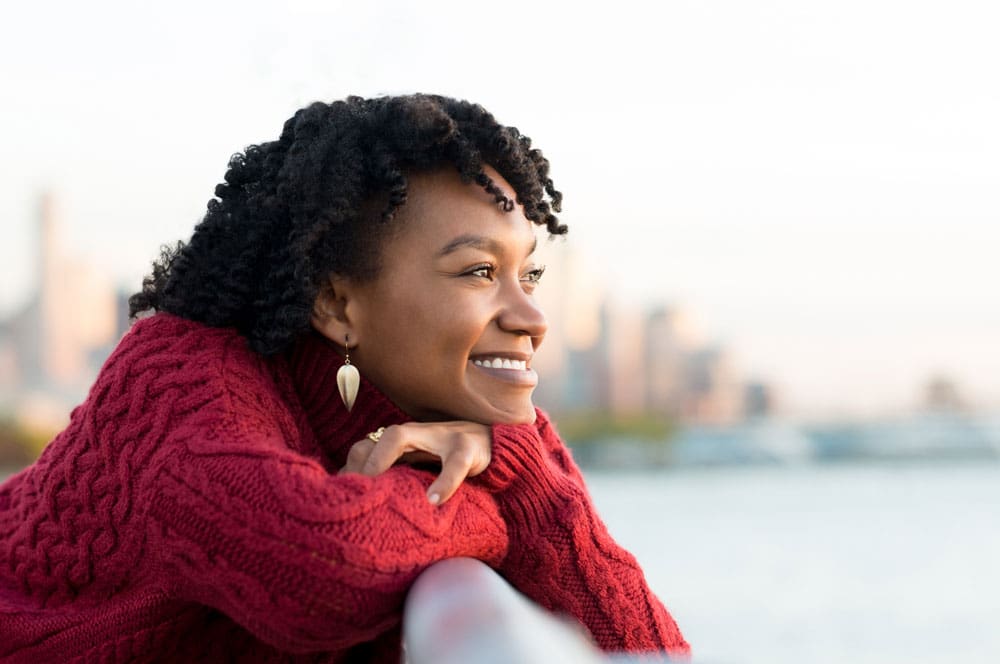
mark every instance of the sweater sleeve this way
{"type": "Point", "coordinates": [303, 559]}
{"type": "Point", "coordinates": [232, 514]}
{"type": "Point", "coordinates": [561, 553]}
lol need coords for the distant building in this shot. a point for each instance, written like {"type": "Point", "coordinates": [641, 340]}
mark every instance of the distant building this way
{"type": "Point", "coordinates": [51, 349]}
{"type": "Point", "coordinates": [550, 359]}
{"type": "Point", "coordinates": [626, 359]}
{"type": "Point", "coordinates": [942, 395]}
{"type": "Point", "coordinates": [588, 371]}
{"type": "Point", "coordinates": [572, 362]}
{"type": "Point", "coordinates": [10, 372]}
{"type": "Point", "coordinates": [713, 393]}
{"type": "Point", "coordinates": [670, 336]}
{"type": "Point", "coordinates": [656, 363]}
{"type": "Point", "coordinates": [758, 400]}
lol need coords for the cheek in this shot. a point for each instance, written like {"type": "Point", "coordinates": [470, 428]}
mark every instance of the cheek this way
{"type": "Point", "coordinates": [436, 334]}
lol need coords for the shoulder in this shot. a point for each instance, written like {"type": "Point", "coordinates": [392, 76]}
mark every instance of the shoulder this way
{"type": "Point", "coordinates": [171, 366]}
{"type": "Point", "coordinates": [166, 337]}
{"type": "Point", "coordinates": [164, 344]}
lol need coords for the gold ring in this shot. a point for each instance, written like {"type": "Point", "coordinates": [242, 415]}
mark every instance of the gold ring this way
{"type": "Point", "coordinates": [375, 435]}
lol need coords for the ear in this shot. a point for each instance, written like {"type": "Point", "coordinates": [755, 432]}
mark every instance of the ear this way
{"type": "Point", "coordinates": [334, 313]}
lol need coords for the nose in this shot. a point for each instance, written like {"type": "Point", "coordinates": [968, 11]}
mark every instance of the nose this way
{"type": "Point", "coordinates": [520, 314]}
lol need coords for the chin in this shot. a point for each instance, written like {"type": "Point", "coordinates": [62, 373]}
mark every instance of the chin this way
{"type": "Point", "coordinates": [485, 414]}
{"type": "Point", "coordinates": [518, 416]}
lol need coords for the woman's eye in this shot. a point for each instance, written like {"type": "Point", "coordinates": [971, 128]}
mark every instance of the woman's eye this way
{"type": "Point", "coordinates": [484, 271]}
{"type": "Point", "coordinates": [533, 276]}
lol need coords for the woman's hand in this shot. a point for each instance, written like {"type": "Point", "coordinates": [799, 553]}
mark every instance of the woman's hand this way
{"type": "Point", "coordinates": [462, 448]}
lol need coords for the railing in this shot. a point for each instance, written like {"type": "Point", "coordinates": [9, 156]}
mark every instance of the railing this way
{"type": "Point", "coordinates": [461, 612]}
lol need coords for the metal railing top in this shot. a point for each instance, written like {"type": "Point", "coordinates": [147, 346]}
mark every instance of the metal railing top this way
{"type": "Point", "coordinates": [459, 611]}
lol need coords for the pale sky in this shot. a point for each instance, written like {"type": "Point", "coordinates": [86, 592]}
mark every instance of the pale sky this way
{"type": "Point", "coordinates": [818, 181]}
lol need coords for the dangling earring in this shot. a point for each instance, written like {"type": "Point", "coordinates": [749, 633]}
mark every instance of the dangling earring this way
{"type": "Point", "coordinates": [348, 378]}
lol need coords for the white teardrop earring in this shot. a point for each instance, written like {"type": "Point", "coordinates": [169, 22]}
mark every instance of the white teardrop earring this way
{"type": "Point", "coordinates": [348, 378]}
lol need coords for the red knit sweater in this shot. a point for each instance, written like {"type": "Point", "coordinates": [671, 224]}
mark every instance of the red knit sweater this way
{"type": "Point", "coordinates": [191, 511]}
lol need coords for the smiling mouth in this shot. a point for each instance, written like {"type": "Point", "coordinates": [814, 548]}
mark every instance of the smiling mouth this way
{"type": "Point", "coordinates": [501, 363]}
{"type": "Point", "coordinates": [513, 370]}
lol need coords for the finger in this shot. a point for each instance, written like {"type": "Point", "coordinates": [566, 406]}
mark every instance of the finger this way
{"type": "Point", "coordinates": [454, 470]}
{"type": "Point", "coordinates": [357, 456]}
{"type": "Point", "coordinates": [418, 457]}
{"type": "Point", "coordinates": [395, 442]}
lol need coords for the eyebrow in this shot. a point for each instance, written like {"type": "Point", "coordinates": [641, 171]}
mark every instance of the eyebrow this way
{"type": "Point", "coordinates": [477, 242]}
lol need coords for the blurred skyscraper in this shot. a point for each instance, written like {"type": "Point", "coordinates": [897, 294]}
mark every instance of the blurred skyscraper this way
{"type": "Point", "coordinates": [942, 395]}
{"type": "Point", "coordinates": [670, 337]}
{"type": "Point", "coordinates": [51, 349]}
{"type": "Point", "coordinates": [600, 355]}
{"type": "Point", "coordinates": [713, 391]}
{"type": "Point", "coordinates": [759, 400]}
{"type": "Point", "coordinates": [604, 356]}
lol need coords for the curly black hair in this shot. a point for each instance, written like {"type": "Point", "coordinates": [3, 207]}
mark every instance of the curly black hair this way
{"type": "Point", "coordinates": [318, 201]}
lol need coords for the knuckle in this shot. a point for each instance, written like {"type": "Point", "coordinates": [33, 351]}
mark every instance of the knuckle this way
{"type": "Point", "coordinates": [358, 452]}
{"type": "Point", "coordinates": [375, 459]}
{"type": "Point", "coordinates": [464, 457]}
{"type": "Point", "coordinates": [393, 436]}
{"type": "Point", "coordinates": [401, 430]}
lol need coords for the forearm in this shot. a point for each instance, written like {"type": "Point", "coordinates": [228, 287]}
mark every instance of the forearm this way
{"type": "Point", "coordinates": [307, 560]}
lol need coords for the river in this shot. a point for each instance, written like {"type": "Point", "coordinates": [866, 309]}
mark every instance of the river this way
{"type": "Point", "coordinates": [819, 563]}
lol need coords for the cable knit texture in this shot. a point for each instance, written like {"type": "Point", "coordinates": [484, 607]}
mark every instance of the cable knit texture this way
{"type": "Point", "coordinates": [191, 511]}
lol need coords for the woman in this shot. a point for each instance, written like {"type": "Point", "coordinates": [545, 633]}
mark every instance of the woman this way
{"type": "Point", "coordinates": [223, 492]}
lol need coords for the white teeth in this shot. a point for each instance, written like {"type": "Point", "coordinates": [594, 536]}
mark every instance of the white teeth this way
{"type": "Point", "coordinates": [502, 363]}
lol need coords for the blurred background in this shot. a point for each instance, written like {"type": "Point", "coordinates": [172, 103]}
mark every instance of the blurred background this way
{"type": "Point", "coordinates": [774, 324]}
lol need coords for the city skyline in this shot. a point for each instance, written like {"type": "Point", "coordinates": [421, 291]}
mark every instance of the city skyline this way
{"type": "Point", "coordinates": [600, 356]}
{"type": "Point", "coordinates": [816, 183]}
{"type": "Point", "coordinates": [609, 362]}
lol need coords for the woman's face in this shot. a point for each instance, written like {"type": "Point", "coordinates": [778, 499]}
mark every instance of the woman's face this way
{"type": "Point", "coordinates": [448, 328]}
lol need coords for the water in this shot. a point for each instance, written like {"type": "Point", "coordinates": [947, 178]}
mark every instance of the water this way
{"type": "Point", "coordinates": [819, 563]}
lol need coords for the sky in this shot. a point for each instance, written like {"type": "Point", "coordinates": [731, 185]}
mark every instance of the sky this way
{"type": "Point", "coordinates": [817, 181]}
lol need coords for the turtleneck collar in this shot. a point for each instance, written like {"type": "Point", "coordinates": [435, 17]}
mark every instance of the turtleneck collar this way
{"type": "Point", "coordinates": [313, 362]}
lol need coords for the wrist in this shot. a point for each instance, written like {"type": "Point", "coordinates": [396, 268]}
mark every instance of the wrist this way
{"type": "Point", "coordinates": [531, 490]}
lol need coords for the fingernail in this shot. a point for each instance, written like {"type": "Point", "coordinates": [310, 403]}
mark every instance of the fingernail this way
{"type": "Point", "coordinates": [434, 498]}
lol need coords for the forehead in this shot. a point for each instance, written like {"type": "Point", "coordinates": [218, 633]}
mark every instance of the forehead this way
{"type": "Point", "coordinates": [440, 207]}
